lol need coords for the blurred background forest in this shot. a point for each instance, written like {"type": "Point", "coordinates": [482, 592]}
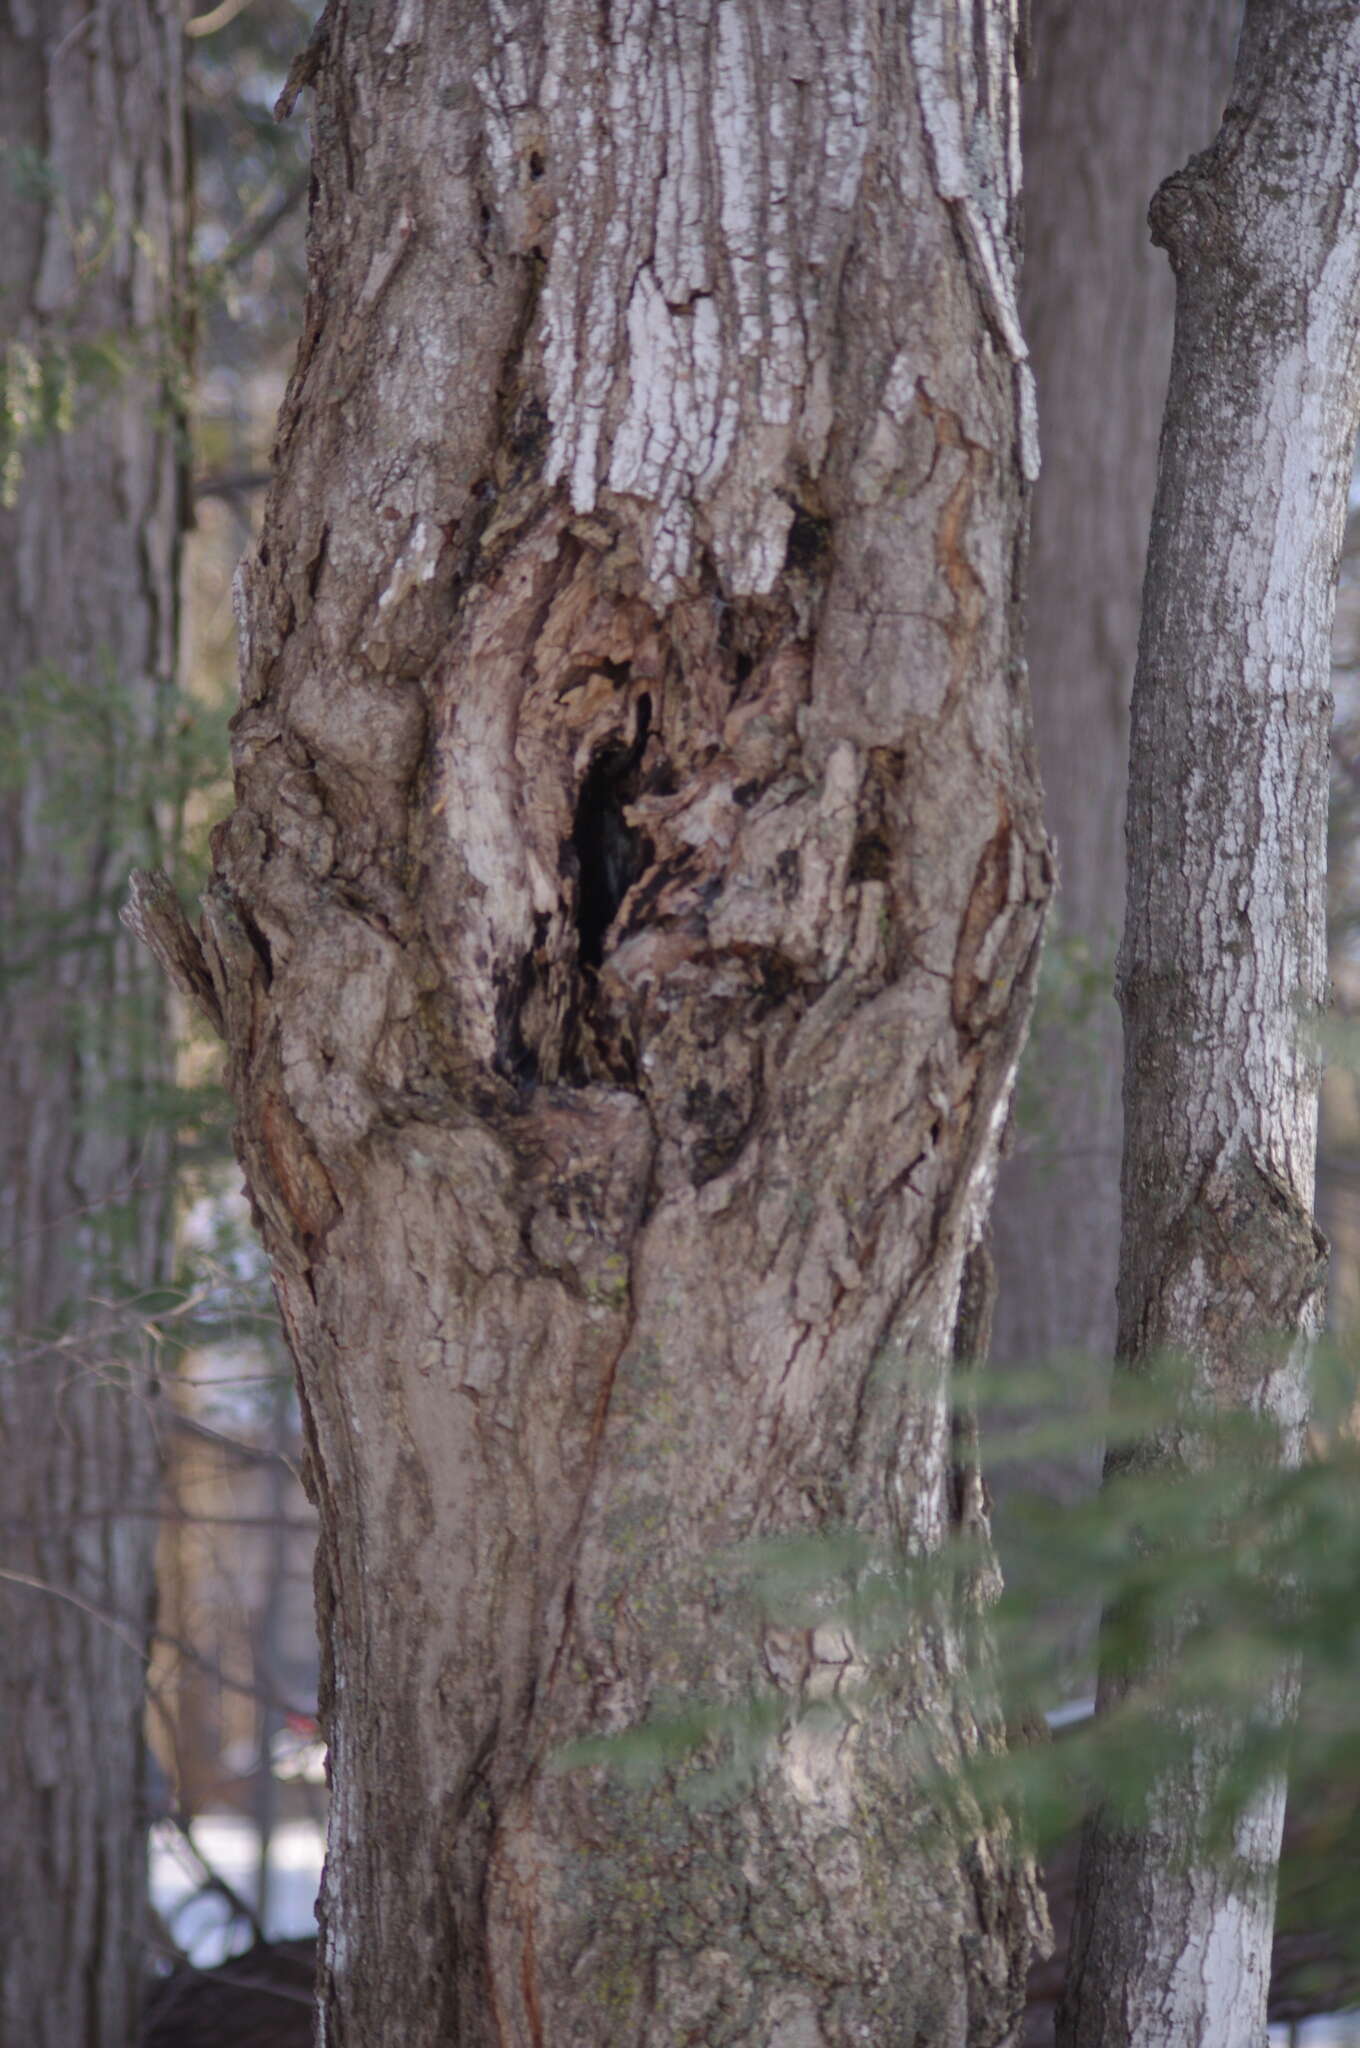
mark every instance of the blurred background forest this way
{"type": "Point", "coordinates": [238, 1791]}
{"type": "Point", "coordinates": [235, 1794]}
{"type": "Point", "coordinates": [233, 1680]}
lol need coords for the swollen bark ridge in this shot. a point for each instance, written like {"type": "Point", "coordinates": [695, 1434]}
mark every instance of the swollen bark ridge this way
{"type": "Point", "coordinates": [624, 939]}
{"type": "Point", "coordinates": [1223, 957]}
{"type": "Point", "coordinates": [92, 244]}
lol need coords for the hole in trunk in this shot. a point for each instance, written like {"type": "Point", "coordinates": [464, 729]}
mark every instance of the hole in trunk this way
{"type": "Point", "coordinates": [610, 854]}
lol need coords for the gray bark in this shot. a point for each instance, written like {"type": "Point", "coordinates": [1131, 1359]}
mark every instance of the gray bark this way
{"type": "Point", "coordinates": [91, 248]}
{"type": "Point", "coordinates": [624, 940]}
{"type": "Point", "coordinates": [1116, 98]}
{"type": "Point", "coordinates": [1224, 948]}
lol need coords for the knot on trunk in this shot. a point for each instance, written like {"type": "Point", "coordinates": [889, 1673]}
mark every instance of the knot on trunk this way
{"type": "Point", "coordinates": [1186, 218]}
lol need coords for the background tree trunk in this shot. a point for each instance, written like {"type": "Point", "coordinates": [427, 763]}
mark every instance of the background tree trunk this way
{"type": "Point", "coordinates": [91, 251]}
{"type": "Point", "coordinates": [1224, 950]}
{"type": "Point", "coordinates": [625, 937]}
{"type": "Point", "coordinates": [1117, 97]}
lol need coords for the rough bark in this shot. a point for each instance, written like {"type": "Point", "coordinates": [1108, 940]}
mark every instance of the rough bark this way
{"type": "Point", "coordinates": [624, 940]}
{"type": "Point", "coordinates": [1223, 955]}
{"type": "Point", "coordinates": [1116, 98]}
{"type": "Point", "coordinates": [91, 247]}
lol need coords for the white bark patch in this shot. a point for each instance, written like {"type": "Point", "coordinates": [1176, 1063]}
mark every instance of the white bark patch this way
{"type": "Point", "coordinates": [1217, 1967]}
{"type": "Point", "coordinates": [407, 28]}
{"type": "Point", "coordinates": [670, 334]}
{"type": "Point", "coordinates": [817, 1754]}
{"type": "Point", "coordinates": [977, 157]}
{"type": "Point", "coordinates": [415, 565]}
{"type": "Point", "coordinates": [678, 426]}
{"type": "Point", "coordinates": [972, 116]}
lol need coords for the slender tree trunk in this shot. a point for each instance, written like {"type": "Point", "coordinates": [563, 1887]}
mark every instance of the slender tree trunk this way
{"type": "Point", "coordinates": [1117, 97]}
{"type": "Point", "coordinates": [1224, 946]}
{"type": "Point", "coordinates": [91, 246]}
{"type": "Point", "coordinates": [624, 940]}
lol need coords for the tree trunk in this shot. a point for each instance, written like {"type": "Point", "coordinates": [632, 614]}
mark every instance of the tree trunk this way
{"type": "Point", "coordinates": [91, 251]}
{"type": "Point", "coordinates": [1224, 947]}
{"type": "Point", "coordinates": [624, 938]}
{"type": "Point", "coordinates": [1117, 98]}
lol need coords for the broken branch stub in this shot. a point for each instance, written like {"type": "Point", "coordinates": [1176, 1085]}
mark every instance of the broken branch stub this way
{"type": "Point", "coordinates": [154, 914]}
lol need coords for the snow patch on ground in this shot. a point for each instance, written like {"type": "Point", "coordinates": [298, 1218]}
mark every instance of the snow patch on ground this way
{"type": "Point", "coordinates": [203, 1925]}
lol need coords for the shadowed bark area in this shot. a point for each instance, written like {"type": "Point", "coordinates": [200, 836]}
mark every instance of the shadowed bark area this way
{"type": "Point", "coordinates": [624, 939]}
{"type": "Point", "coordinates": [1223, 962]}
{"type": "Point", "coordinates": [92, 229]}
